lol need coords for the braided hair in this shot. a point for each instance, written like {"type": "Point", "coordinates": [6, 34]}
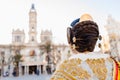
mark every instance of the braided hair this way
{"type": "Point", "coordinates": [87, 33]}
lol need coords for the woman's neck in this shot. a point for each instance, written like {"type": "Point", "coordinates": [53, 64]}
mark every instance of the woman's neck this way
{"type": "Point", "coordinates": [76, 52]}
{"type": "Point", "coordinates": [89, 55]}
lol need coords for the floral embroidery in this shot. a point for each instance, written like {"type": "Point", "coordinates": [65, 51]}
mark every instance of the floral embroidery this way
{"type": "Point", "coordinates": [70, 70]}
{"type": "Point", "coordinates": [98, 67]}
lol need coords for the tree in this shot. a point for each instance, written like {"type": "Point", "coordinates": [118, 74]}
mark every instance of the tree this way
{"type": "Point", "coordinates": [17, 59]}
{"type": "Point", "coordinates": [47, 47]}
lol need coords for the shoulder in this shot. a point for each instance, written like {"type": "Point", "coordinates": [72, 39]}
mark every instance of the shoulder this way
{"type": "Point", "coordinates": [69, 70]}
{"type": "Point", "coordinates": [68, 63]}
{"type": "Point", "coordinates": [64, 69]}
{"type": "Point", "coordinates": [90, 55]}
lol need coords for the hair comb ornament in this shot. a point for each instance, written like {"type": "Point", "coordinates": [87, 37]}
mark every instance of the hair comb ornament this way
{"type": "Point", "coordinates": [74, 39]}
{"type": "Point", "coordinates": [69, 35]}
{"type": "Point", "coordinates": [75, 22]}
{"type": "Point", "coordinates": [86, 17]}
{"type": "Point", "coordinates": [69, 30]}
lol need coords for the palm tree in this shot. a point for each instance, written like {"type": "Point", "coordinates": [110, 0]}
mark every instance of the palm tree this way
{"type": "Point", "coordinates": [47, 49]}
{"type": "Point", "coordinates": [17, 59]}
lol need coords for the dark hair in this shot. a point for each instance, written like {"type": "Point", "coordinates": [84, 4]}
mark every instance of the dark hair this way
{"type": "Point", "coordinates": [86, 34]}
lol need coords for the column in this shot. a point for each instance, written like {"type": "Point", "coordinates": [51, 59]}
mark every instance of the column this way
{"type": "Point", "coordinates": [37, 67]}
{"type": "Point", "coordinates": [40, 69]}
{"type": "Point", "coordinates": [11, 70]}
{"type": "Point", "coordinates": [44, 69]}
{"type": "Point", "coordinates": [27, 70]}
{"type": "Point", "coordinates": [20, 70]}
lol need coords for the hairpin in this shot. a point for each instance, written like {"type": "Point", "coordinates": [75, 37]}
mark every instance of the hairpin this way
{"type": "Point", "coordinates": [100, 37]}
{"type": "Point", "coordinates": [99, 44]}
{"type": "Point", "coordinates": [74, 47]}
{"type": "Point", "coordinates": [74, 39]}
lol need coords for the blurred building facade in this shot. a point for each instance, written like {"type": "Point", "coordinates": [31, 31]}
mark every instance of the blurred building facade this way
{"type": "Point", "coordinates": [34, 55]}
{"type": "Point", "coordinates": [113, 28]}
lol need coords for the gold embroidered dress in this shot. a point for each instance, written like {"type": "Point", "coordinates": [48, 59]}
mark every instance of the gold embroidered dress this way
{"type": "Point", "coordinates": [91, 66]}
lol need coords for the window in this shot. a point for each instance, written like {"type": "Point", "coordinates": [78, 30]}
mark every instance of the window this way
{"type": "Point", "coordinates": [32, 28]}
{"type": "Point", "coordinates": [45, 38]}
{"type": "Point", "coordinates": [32, 38]}
{"type": "Point", "coordinates": [17, 38]}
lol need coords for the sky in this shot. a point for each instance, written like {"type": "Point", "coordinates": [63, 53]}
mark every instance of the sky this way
{"type": "Point", "coordinates": [54, 15]}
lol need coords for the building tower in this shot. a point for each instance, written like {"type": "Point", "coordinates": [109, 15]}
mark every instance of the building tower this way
{"type": "Point", "coordinates": [46, 36]}
{"type": "Point", "coordinates": [32, 25]}
{"type": "Point", "coordinates": [18, 37]}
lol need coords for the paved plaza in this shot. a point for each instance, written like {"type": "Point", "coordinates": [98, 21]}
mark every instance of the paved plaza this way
{"type": "Point", "coordinates": [28, 77]}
